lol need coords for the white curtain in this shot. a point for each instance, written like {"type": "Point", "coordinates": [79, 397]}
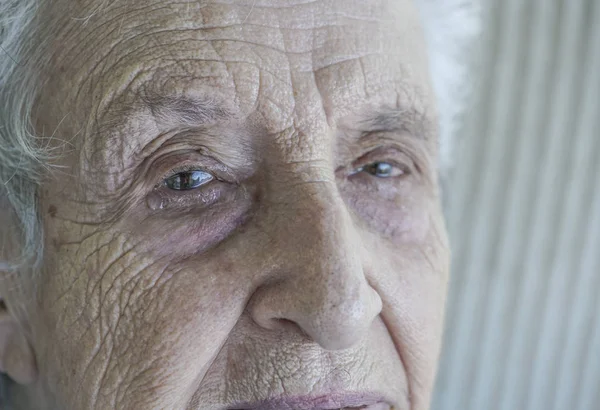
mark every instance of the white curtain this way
{"type": "Point", "coordinates": [523, 318]}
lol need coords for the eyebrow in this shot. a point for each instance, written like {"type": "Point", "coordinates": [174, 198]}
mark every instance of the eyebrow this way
{"type": "Point", "coordinates": [182, 111]}
{"type": "Point", "coordinates": [409, 120]}
{"type": "Point", "coordinates": [169, 111]}
{"type": "Point", "coordinates": [185, 110]}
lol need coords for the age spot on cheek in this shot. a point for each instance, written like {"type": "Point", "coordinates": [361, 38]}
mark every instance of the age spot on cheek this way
{"type": "Point", "coordinates": [52, 211]}
{"type": "Point", "coordinates": [55, 244]}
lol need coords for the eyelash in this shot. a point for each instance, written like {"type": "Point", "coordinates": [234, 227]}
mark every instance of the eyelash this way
{"type": "Point", "coordinates": [184, 168]}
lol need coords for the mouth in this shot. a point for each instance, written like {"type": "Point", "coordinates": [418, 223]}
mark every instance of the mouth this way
{"type": "Point", "coordinates": [346, 401]}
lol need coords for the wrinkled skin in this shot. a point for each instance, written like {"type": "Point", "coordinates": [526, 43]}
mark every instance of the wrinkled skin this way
{"type": "Point", "coordinates": [293, 272]}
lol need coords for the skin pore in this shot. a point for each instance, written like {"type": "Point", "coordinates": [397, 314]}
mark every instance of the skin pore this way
{"type": "Point", "coordinates": [306, 256]}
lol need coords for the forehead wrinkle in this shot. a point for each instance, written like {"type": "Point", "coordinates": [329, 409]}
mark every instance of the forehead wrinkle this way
{"type": "Point", "coordinates": [229, 21]}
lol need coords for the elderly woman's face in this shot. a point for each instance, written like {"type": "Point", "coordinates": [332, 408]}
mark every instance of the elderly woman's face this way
{"type": "Point", "coordinates": [247, 212]}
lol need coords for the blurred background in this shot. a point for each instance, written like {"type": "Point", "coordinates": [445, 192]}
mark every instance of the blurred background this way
{"type": "Point", "coordinates": [523, 321]}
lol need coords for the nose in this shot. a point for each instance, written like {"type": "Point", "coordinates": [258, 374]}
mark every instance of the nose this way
{"type": "Point", "coordinates": [319, 285]}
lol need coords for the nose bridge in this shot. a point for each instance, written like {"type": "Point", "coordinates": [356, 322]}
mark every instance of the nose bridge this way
{"type": "Point", "coordinates": [320, 223]}
{"type": "Point", "coordinates": [318, 231]}
{"type": "Point", "coordinates": [322, 287]}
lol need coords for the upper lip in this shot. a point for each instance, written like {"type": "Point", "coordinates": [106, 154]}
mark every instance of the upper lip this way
{"type": "Point", "coordinates": [321, 402]}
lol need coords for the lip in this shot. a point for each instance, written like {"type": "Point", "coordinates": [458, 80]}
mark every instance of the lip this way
{"type": "Point", "coordinates": [333, 401]}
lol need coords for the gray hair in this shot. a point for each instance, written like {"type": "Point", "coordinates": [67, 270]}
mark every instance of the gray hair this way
{"type": "Point", "coordinates": [21, 159]}
{"type": "Point", "coordinates": [450, 25]}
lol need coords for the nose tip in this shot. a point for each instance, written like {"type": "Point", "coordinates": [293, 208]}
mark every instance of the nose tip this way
{"type": "Point", "coordinates": [341, 326]}
{"type": "Point", "coordinates": [335, 318]}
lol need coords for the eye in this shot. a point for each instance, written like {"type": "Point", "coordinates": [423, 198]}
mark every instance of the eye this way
{"type": "Point", "coordinates": [382, 170]}
{"type": "Point", "coordinates": [187, 180]}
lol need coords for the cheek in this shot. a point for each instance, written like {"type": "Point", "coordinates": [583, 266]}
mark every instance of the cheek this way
{"type": "Point", "coordinates": [89, 293]}
{"type": "Point", "coordinates": [413, 275]}
{"type": "Point", "coordinates": [412, 280]}
{"type": "Point", "coordinates": [114, 321]}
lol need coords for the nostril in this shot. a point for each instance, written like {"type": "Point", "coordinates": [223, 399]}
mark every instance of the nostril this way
{"type": "Point", "coordinates": [290, 325]}
{"type": "Point", "coordinates": [286, 326]}
{"type": "Point", "coordinates": [285, 323]}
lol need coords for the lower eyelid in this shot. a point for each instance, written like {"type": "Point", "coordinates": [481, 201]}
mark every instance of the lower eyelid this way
{"type": "Point", "coordinates": [164, 198]}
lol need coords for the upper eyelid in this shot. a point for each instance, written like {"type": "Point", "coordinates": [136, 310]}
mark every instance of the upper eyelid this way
{"type": "Point", "coordinates": [162, 166]}
{"type": "Point", "coordinates": [381, 152]}
{"type": "Point", "coordinates": [182, 147]}
{"type": "Point", "coordinates": [185, 168]}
